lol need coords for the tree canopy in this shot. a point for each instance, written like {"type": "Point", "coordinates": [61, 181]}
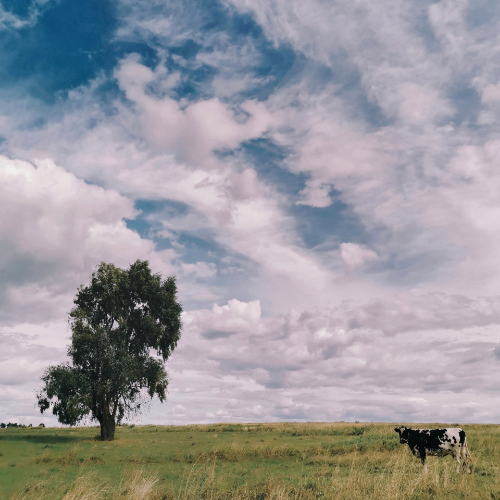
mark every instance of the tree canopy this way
{"type": "Point", "coordinates": [125, 325]}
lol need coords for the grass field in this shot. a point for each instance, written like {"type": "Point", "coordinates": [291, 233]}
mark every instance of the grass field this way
{"type": "Point", "coordinates": [229, 461]}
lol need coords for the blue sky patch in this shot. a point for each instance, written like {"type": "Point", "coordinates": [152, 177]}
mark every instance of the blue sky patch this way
{"type": "Point", "coordinates": [467, 102]}
{"type": "Point", "coordinates": [268, 158]}
{"type": "Point", "coordinates": [148, 221]}
{"type": "Point", "coordinates": [20, 8]}
{"type": "Point", "coordinates": [66, 47]}
{"type": "Point", "coordinates": [482, 12]}
{"type": "Point", "coordinates": [326, 228]}
{"type": "Point", "coordinates": [191, 246]}
{"type": "Point", "coordinates": [70, 44]}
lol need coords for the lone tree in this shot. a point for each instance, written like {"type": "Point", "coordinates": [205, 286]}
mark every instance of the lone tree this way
{"type": "Point", "coordinates": [119, 321]}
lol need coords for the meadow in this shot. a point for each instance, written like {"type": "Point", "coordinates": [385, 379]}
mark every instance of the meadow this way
{"type": "Point", "coordinates": [233, 461]}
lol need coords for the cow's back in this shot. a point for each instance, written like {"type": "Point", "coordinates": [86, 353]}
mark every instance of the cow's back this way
{"type": "Point", "coordinates": [442, 441]}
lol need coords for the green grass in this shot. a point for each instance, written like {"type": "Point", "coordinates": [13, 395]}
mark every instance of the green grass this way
{"type": "Point", "coordinates": [253, 461]}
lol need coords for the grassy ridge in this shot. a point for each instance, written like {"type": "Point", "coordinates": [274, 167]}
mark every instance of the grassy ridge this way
{"type": "Point", "coordinates": [254, 461]}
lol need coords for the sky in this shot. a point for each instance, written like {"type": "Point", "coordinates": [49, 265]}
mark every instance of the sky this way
{"type": "Point", "coordinates": [321, 176]}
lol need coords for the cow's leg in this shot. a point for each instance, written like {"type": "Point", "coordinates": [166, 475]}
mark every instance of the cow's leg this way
{"type": "Point", "coordinates": [457, 455]}
{"type": "Point", "coordinates": [423, 457]}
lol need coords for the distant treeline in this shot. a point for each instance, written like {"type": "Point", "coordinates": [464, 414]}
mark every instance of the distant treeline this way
{"type": "Point", "coordinates": [10, 424]}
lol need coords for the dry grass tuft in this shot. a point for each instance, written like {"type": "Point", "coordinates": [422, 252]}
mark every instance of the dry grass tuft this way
{"type": "Point", "coordinates": [139, 485]}
{"type": "Point", "coordinates": [32, 491]}
{"type": "Point", "coordinates": [85, 488]}
{"type": "Point", "coordinates": [135, 485]}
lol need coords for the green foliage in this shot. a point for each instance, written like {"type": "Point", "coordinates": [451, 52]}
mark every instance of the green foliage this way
{"type": "Point", "coordinates": [117, 321]}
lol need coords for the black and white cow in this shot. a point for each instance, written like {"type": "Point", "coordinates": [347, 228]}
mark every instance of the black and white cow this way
{"type": "Point", "coordinates": [440, 442]}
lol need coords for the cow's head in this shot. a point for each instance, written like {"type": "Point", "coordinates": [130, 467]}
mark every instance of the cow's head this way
{"type": "Point", "coordinates": [403, 434]}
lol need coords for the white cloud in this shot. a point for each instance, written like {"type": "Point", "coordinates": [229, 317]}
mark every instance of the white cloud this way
{"type": "Point", "coordinates": [331, 152]}
{"type": "Point", "coordinates": [244, 186]}
{"type": "Point", "coordinates": [354, 255]}
{"type": "Point", "coordinates": [235, 317]}
{"type": "Point", "coordinates": [414, 311]}
{"type": "Point", "coordinates": [322, 365]}
{"type": "Point", "coordinates": [491, 93]}
{"type": "Point", "coordinates": [179, 411]}
{"type": "Point", "coordinates": [421, 106]}
{"type": "Point", "coordinates": [192, 131]}
{"type": "Point", "coordinates": [54, 230]}
{"type": "Point", "coordinates": [316, 194]}
{"type": "Point", "coordinates": [200, 269]}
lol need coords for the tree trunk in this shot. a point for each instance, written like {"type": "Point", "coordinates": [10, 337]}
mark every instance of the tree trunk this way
{"type": "Point", "coordinates": [107, 427]}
